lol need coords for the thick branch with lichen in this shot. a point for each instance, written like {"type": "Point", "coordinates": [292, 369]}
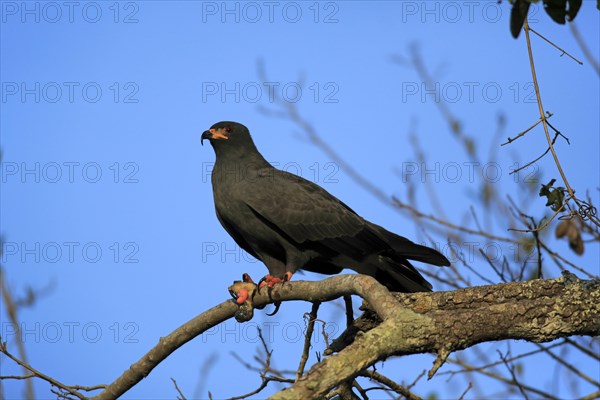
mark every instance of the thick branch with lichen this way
{"type": "Point", "coordinates": [538, 310]}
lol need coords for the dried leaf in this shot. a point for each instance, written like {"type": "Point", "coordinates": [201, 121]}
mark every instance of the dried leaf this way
{"type": "Point", "coordinates": [569, 229]}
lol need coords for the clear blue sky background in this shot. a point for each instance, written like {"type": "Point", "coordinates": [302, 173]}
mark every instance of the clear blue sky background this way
{"type": "Point", "coordinates": [104, 104]}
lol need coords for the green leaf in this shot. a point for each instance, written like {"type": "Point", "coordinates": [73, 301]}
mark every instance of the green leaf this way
{"type": "Point", "coordinates": [518, 13]}
{"type": "Point", "coordinates": [574, 6]}
{"type": "Point", "coordinates": [556, 9]}
{"type": "Point", "coordinates": [555, 196]}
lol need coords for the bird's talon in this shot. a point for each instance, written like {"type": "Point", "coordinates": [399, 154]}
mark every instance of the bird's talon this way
{"type": "Point", "coordinates": [277, 304]}
{"type": "Point", "coordinates": [287, 277]}
{"type": "Point", "coordinates": [262, 282]}
{"type": "Point", "coordinates": [246, 278]}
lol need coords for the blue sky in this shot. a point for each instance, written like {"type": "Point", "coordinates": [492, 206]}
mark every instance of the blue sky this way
{"type": "Point", "coordinates": [106, 195]}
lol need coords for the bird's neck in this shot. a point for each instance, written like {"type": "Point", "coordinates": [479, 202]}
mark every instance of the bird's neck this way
{"type": "Point", "coordinates": [239, 164]}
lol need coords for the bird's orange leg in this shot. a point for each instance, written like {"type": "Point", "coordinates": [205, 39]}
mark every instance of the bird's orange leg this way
{"type": "Point", "coordinates": [270, 280]}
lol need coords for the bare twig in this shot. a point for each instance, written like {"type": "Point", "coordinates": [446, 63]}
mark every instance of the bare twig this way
{"type": "Point", "coordinates": [462, 396]}
{"type": "Point", "coordinates": [181, 395]}
{"type": "Point", "coordinates": [510, 140]}
{"type": "Point", "coordinates": [511, 370]}
{"type": "Point", "coordinates": [310, 327]}
{"type": "Point", "coordinates": [557, 256]}
{"type": "Point", "coordinates": [514, 171]}
{"type": "Point", "coordinates": [543, 117]}
{"type": "Point", "coordinates": [69, 389]}
{"type": "Point", "coordinates": [570, 367]}
{"type": "Point", "coordinates": [540, 35]}
{"type": "Point", "coordinates": [490, 365]}
{"type": "Point", "coordinates": [579, 347]}
{"type": "Point", "coordinates": [265, 378]}
{"type": "Point", "coordinates": [11, 310]}
{"type": "Point", "coordinates": [419, 214]}
{"type": "Point", "coordinates": [390, 383]}
{"type": "Point", "coordinates": [501, 378]}
{"type": "Point", "coordinates": [349, 311]}
{"type": "Point", "coordinates": [586, 51]}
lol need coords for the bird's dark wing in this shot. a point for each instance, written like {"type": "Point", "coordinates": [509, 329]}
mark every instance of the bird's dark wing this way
{"type": "Point", "coordinates": [233, 232]}
{"type": "Point", "coordinates": [301, 209]}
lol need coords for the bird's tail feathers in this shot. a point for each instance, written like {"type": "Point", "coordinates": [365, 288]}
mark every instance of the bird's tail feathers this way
{"type": "Point", "coordinates": [402, 249]}
{"type": "Point", "coordinates": [398, 276]}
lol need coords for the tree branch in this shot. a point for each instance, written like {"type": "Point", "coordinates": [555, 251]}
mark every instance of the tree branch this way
{"type": "Point", "coordinates": [326, 290]}
{"type": "Point", "coordinates": [441, 322]}
{"type": "Point", "coordinates": [537, 310]}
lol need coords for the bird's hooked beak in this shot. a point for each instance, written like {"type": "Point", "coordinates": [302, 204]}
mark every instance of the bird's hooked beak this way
{"type": "Point", "coordinates": [213, 134]}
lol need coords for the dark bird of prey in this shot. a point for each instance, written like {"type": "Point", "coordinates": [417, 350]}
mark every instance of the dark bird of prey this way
{"type": "Point", "coordinates": [290, 223]}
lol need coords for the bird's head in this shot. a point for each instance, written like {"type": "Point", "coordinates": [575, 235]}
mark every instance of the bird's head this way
{"type": "Point", "coordinates": [232, 143]}
{"type": "Point", "coordinates": [226, 133]}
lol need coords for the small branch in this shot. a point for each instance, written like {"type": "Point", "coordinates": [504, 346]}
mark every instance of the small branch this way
{"type": "Point", "coordinates": [527, 27]}
{"type": "Point", "coordinates": [419, 214]}
{"type": "Point", "coordinates": [510, 140]}
{"type": "Point", "coordinates": [511, 370]}
{"type": "Point", "coordinates": [570, 367]}
{"type": "Point", "coordinates": [52, 381]}
{"type": "Point", "coordinates": [495, 363]}
{"type": "Point", "coordinates": [582, 349]}
{"type": "Point", "coordinates": [310, 327]}
{"type": "Point", "coordinates": [557, 256]}
{"type": "Point", "coordinates": [592, 396]}
{"type": "Point", "coordinates": [17, 377]}
{"type": "Point", "coordinates": [500, 378]}
{"type": "Point", "coordinates": [570, 190]}
{"type": "Point", "coordinates": [514, 171]}
{"type": "Point", "coordinates": [265, 379]}
{"type": "Point", "coordinates": [11, 310]}
{"type": "Point", "coordinates": [401, 390]}
{"type": "Point", "coordinates": [491, 264]}
{"type": "Point", "coordinates": [462, 396]}
{"type": "Point", "coordinates": [181, 395]}
{"type": "Point", "coordinates": [547, 222]}
{"type": "Point", "coordinates": [349, 311]}
{"type": "Point", "coordinates": [586, 51]}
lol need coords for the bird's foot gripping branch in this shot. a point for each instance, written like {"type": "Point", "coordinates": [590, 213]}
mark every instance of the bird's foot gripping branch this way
{"type": "Point", "coordinates": [243, 293]}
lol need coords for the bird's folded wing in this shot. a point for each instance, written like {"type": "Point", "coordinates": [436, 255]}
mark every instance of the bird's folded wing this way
{"type": "Point", "coordinates": [301, 209]}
